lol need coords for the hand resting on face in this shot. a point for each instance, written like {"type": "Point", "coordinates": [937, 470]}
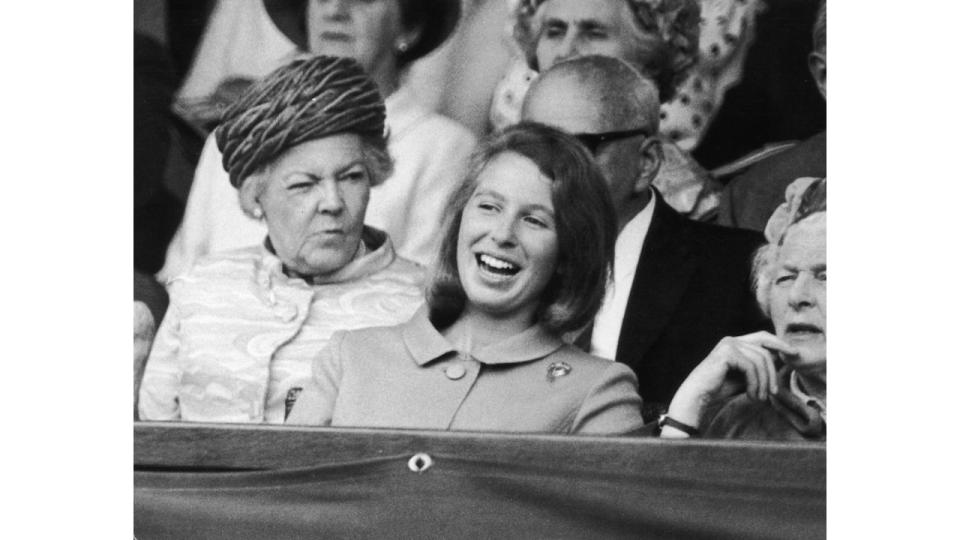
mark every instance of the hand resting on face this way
{"type": "Point", "coordinates": [736, 364]}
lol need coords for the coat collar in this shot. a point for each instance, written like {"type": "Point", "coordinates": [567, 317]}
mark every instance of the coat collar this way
{"type": "Point", "coordinates": [806, 418]}
{"type": "Point", "coordinates": [426, 344]}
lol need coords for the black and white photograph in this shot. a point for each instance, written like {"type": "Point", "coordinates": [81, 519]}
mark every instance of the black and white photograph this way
{"type": "Point", "coordinates": [479, 269]}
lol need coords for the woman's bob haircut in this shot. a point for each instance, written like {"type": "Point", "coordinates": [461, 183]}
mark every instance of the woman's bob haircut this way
{"type": "Point", "coordinates": [585, 220]}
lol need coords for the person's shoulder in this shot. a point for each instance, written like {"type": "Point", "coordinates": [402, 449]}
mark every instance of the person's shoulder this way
{"type": "Point", "coordinates": [444, 131]}
{"type": "Point", "coordinates": [403, 272]}
{"type": "Point", "coordinates": [363, 334]}
{"type": "Point", "coordinates": [770, 176]}
{"type": "Point", "coordinates": [405, 266]}
{"type": "Point", "coordinates": [720, 239]}
{"type": "Point", "coordinates": [589, 364]}
{"type": "Point", "coordinates": [222, 265]}
{"type": "Point", "coordinates": [242, 256]}
{"type": "Point", "coordinates": [371, 337]}
{"type": "Point", "coordinates": [731, 235]}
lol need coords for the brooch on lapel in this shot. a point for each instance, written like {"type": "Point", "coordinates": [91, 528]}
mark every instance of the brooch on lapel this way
{"type": "Point", "coordinates": [557, 369]}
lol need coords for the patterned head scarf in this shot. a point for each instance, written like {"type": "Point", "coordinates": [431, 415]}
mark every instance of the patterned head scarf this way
{"type": "Point", "coordinates": [302, 101]}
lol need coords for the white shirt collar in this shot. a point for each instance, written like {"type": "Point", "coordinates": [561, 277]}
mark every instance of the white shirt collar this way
{"type": "Point", "coordinates": [629, 246]}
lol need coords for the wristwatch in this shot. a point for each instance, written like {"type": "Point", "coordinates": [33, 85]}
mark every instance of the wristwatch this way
{"type": "Point", "coordinates": [665, 420]}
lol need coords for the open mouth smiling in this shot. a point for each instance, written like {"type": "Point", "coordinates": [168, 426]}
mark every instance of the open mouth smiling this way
{"type": "Point", "coordinates": [496, 266]}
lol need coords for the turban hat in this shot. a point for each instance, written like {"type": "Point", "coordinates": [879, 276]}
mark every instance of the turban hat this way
{"type": "Point", "coordinates": [302, 101]}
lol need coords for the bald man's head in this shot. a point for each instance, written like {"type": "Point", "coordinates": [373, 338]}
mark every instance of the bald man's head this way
{"type": "Point", "coordinates": [607, 97]}
{"type": "Point", "coordinates": [593, 94]}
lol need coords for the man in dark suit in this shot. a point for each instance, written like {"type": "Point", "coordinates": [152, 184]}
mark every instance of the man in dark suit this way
{"type": "Point", "coordinates": [679, 285]}
{"type": "Point", "coordinates": [750, 199]}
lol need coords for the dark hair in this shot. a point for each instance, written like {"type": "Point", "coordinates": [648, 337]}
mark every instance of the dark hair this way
{"type": "Point", "coordinates": [585, 220]}
{"type": "Point", "coordinates": [435, 19]}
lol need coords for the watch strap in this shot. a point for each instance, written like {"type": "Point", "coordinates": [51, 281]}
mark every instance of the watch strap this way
{"type": "Point", "coordinates": [676, 424]}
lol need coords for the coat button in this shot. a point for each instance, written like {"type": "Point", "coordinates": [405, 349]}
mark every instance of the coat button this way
{"type": "Point", "coordinates": [454, 372]}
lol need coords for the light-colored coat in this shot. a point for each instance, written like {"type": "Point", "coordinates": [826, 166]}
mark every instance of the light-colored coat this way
{"type": "Point", "coordinates": [410, 376]}
{"type": "Point", "coordinates": [239, 335]}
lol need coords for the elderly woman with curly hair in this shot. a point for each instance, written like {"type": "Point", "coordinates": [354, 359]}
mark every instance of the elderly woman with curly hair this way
{"type": "Point", "coordinates": [525, 258]}
{"type": "Point", "coordinates": [659, 37]}
{"type": "Point", "coordinates": [303, 147]}
{"type": "Point", "coordinates": [785, 375]}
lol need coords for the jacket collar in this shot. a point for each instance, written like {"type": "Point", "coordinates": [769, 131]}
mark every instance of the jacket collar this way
{"type": "Point", "coordinates": [426, 344]}
{"type": "Point", "coordinates": [805, 418]}
{"type": "Point", "coordinates": [665, 267]}
{"type": "Point", "coordinates": [796, 389]}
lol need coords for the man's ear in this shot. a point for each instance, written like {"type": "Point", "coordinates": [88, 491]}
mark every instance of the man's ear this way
{"type": "Point", "coordinates": [817, 62]}
{"type": "Point", "coordinates": [651, 152]}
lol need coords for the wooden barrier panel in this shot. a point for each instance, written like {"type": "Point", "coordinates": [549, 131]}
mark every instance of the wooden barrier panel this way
{"type": "Point", "coordinates": [369, 483]}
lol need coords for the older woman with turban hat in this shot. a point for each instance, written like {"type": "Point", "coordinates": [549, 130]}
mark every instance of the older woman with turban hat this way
{"type": "Point", "coordinates": [303, 147]}
{"type": "Point", "coordinates": [783, 375]}
{"type": "Point", "coordinates": [430, 151]}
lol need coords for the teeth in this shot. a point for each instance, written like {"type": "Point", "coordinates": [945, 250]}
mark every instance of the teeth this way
{"type": "Point", "coordinates": [496, 263]}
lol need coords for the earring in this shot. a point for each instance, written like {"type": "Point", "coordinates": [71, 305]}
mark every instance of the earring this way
{"type": "Point", "coordinates": [403, 46]}
{"type": "Point", "coordinates": [257, 212]}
